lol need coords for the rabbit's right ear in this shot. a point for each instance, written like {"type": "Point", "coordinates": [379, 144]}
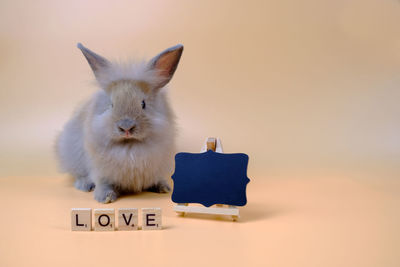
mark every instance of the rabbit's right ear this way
{"type": "Point", "coordinates": [166, 63]}
{"type": "Point", "coordinates": [95, 61]}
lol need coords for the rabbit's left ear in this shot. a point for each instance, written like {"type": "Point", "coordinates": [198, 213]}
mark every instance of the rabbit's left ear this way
{"type": "Point", "coordinates": [166, 63]}
{"type": "Point", "coordinates": [95, 61]}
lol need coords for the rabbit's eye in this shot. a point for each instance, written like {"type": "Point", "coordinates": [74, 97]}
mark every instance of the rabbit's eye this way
{"type": "Point", "coordinates": [143, 104]}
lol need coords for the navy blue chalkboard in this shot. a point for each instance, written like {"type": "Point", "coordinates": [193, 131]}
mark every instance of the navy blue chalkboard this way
{"type": "Point", "coordinates": [210, 178]}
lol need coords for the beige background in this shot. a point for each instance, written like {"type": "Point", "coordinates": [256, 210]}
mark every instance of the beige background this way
{"type": "Point", "coordinates": [309, 89]}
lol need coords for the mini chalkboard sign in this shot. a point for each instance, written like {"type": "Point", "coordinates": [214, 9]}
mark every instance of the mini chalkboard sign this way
{"type": "Point", "coordinates": [210, 178]}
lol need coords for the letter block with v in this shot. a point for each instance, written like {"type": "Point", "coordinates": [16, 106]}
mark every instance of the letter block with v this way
{"type": "Point", "coordinates": [128, 219]}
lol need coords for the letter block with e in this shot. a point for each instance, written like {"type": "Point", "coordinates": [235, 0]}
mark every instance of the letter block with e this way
{"type": "Point", "coordinates": [81, 219]}
{"type": "Point", "coordinates": [151, 219]}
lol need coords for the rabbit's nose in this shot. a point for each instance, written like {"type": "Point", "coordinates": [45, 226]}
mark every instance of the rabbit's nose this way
{"type": "Point", "coordinates": [126, 125]}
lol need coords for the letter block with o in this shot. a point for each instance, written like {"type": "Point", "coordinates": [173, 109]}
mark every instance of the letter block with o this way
{"type": "Point", "coordinates": [104, 220]}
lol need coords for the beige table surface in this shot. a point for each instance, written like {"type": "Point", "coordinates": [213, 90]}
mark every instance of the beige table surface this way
{"type": "Point", "coordinates": [289, 221]}
{"type": "Point", "coordinates": [308, 89]}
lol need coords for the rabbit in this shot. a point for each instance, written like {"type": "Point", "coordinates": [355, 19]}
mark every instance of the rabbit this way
{"type": "Point", "coordinates": [122, 140]}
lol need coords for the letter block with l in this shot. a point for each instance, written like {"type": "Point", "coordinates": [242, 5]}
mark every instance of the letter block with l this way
{"type": "Point", "coordinates": [81, 219]}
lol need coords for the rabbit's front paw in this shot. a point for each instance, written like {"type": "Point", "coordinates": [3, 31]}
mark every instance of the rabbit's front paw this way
{"type": "Point", "coordinates": [84, 184]}
{"type": "Point", "coordinates": [105, 195]}
{"type": "Point", "coordinates": [160, 187]}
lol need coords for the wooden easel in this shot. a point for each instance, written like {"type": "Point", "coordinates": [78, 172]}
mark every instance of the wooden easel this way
{"type": "Point", "coordinates": [213, 144]}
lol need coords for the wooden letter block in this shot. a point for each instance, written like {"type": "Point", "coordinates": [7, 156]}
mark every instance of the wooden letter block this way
{"type": "Point", "coordinates": [104, 220]}
{"type": "Point", "coordinates": [151, 219]}
{"type": "Point", "coordinates": [127, 219]}
{"type": "Point", "coordinates": [81, 219]}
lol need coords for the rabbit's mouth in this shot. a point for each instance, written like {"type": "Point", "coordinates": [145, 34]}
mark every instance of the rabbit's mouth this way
{"type": "Point", "coordinates": [127, 136]}
{"type": "Point", "coordinates": [127, 140]}
{"type": "Point", "coordinates": [131, 137]}
{"type": "Point", "coordinates": [127, 133]}
{"type": "Point", "coordinates": [130, 133]}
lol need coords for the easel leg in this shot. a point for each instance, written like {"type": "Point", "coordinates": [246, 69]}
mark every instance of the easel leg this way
{"type": "Point", "coordinates": [182, 213]}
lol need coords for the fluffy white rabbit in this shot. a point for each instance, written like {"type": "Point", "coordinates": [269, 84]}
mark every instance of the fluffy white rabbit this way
{"type": "Point", "coordinates": [122, 139]}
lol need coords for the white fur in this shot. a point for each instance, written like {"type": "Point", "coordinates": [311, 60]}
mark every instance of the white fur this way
{"type": "Point", "coordinates": [86, 148]}
{"type": "Point", "coordinates": [125, 70]}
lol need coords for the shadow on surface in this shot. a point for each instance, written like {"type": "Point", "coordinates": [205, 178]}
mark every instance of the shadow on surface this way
{"type": "Point", "coordinates": [249, 213]}
{"type": "Point", "coordinates": [68, 182]}
{"type": "Point", "coordinates": [258, 211]}
{"type": "Point", "coordinates": [145, 195]}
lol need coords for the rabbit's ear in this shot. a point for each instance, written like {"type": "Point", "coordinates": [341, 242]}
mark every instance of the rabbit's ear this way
{"type": "Point", "coordinates": [95, 61]}
{"type": "Point", "coordinates": [166, 63]}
